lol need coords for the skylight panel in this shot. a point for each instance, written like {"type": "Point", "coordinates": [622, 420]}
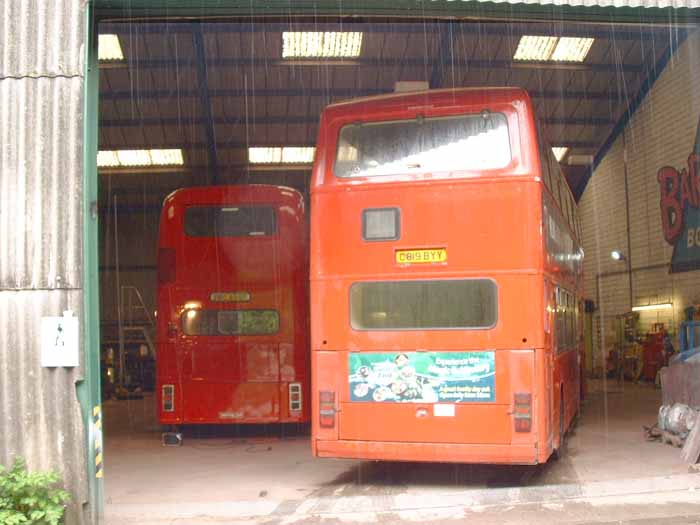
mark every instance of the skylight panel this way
{"type": "Point", "coordinates": [109, 48]}
{"type": "Point", "coordinates": [572, 49]}
{"type": "Point", "coordinates": [281, 155]}
{"type": "Point", "coordinates": [316, 44]}
{"type": "Point", "coordinates": [535, 48]}
{"type": "Point", "coordinates": [139, 158]}
{"type": "Point", "coordinates": [551, 48]}
{"type": "Point", "coordinates": [559, 152]}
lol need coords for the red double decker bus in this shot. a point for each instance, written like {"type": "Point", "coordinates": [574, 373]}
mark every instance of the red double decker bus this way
{"type": "Point", "coordinates": [446, 279]}
{"type": "Point", "coordinates": [232, 328]}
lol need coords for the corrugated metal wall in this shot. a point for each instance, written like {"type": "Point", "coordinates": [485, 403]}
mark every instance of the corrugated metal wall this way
{"type": "Point", "coordinates": [41, 96]}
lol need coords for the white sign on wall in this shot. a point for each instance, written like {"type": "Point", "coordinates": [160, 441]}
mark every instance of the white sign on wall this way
{"type": "Point", "coordinates": [60, 340]}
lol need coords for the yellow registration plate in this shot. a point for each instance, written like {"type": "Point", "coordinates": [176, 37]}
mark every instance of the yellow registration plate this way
{"type": "Point", "coordinates": [424, 256]}
{"type": "Point", "coordinates": [230, 297]}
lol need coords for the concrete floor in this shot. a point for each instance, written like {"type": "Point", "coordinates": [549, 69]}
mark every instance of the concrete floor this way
{"type": "Point", "coordinates": [270, 469]}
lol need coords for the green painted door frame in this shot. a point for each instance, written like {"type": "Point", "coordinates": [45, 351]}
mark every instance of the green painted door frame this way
{"type": "Point", "coordinates": [96, 10]}
{"type": "Point", "coordinates": [89, 390]}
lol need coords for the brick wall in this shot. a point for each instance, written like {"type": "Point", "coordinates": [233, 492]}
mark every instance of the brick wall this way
{"type": "Point", "coordinates": [660, 133]}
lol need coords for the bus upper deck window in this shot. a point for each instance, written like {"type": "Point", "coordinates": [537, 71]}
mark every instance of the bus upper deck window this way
{"type": "Point", "coordinates": [454, 143]}
{"type": "Point", "coordinates": [228, 221]}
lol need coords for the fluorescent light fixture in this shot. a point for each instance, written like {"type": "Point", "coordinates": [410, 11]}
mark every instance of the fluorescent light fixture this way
{"type": "Point", "coordinates": [535, 48]}
{"type": "Point", "coordinates": [139, 158]}
{"type": "Point", "coordinates": [552, 48]}
{"type": "Point", "coordinates": [317, 44]}
{"type": "Point", "coordinates": [660, 306]}
{"type": "Point", "coordinates": [572, 49]}
{"type": "Point", "coordinates": [281, 155]}
{"type": "Point", "coordinates": [109, 48]}
{"type": "Point", "coordinates": [559, 153]}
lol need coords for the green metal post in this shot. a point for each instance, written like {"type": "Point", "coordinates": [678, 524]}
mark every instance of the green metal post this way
{"type": "Point", "coordinates": [88, 391]}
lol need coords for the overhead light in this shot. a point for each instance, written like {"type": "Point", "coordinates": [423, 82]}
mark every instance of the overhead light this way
{"type": "Point", "coordinates": [317, 44]}
{"type": "Point", "coordinates": [571, 49]}
{"type": "Point", "coordinates": [535, 48]}
{"type": "Point", "coordinates": [617, 255]}
{"type": "Point", "coordinates": [139, 158]}
{"type": "Point", "coordinates": [660, 306]}
{"type": "Point", "coordinates": [551, 48]}
{"type": "Point", "coordinates": [281, 155]}
{"type": "Point", "coordinates": [109, 48]}
{"type": "Point", "coordinates": [559, 152]}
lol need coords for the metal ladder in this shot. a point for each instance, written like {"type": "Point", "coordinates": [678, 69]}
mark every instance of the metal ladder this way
{"type": "Point", "coordinates": [135, 326]}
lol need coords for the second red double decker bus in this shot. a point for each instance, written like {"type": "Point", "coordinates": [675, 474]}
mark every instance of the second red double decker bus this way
{"type": "Point", "coordinates": [232, 328]}
{"type": "Point", "coordinates": [445, 281]}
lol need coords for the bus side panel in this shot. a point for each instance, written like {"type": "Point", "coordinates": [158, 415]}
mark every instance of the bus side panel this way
{"type": "Point", "coordinates": [325, 367]}
{"type": "Point", "coordinates": [566, 369]}
{"type": "Point", "coordinates": [167, 374]}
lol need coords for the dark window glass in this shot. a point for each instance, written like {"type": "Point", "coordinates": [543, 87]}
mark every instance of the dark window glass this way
{"type": "Point", "coordinates": [381, 224]}
{"type": "Point", "coordinates": [230, 221]}
{"type": "Point", "coordinates": [463, 142]}
{"type": "Point", "coordinates": [230, 322]}
{"type": "Point", "coordinates": [413, 305]}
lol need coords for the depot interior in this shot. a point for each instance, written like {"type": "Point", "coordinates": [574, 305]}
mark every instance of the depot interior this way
{"type": "Point", "coordinates": [188, 103]}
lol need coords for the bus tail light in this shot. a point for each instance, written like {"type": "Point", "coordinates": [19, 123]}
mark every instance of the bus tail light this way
{"type": "Point", "coordinates": [168, 398]}
{"type": "Point", "coordinates": [522, 412]}
{"type": "Point", "coordinates": [295, 397]}
{"type": "Point", "coordinates": [166, 265]}
{"type": "Point", "coordinates": [326, 409]}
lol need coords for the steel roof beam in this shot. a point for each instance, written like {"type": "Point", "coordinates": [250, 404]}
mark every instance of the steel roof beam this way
{"type": "Point", "coordinates": [599, 31]}
{"type": "Point", "coordinates": [298, 120]}
{"type": "Point", "coordinates": [219, 93]}
{"type": "Point", "coordinates": [376, 62]}
{"type": "Point", "coordinates": [330, 93]}
{"type": "Point", "coordinates": [205, 101]}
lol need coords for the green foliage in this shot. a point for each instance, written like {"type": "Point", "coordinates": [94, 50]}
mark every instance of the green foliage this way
{"type": "Point", "coordinates": [31, 498]}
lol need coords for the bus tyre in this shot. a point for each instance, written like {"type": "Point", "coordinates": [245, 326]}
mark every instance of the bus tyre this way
{"type": "Point", "coordinates": [560, 451]}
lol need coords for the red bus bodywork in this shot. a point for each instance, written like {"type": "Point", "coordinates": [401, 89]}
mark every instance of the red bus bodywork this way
{"type": "Point", "coordinates": [493, 226]}
{"type": "Point", "coordinates": [218, 365]}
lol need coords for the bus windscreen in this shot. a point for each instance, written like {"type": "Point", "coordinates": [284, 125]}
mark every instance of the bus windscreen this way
{"type": "Point", "coordinates": [424, 305]}
{"type": "Point", "coordinates": [230, 221]}
{"type": "Point", "coordinates": [463, 142]}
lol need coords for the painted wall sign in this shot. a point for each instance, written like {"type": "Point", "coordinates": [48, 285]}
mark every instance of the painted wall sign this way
{"type": "Point", "coordinates": [680, 209]}
{"type": "Point", "coordinates": [423, 377]}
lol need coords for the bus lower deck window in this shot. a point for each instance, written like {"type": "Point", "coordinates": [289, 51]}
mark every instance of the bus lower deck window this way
{"type": "Point", "coordinates": [424, 305]}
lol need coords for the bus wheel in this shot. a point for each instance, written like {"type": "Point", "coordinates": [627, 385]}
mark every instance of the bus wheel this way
{"type": "Point", "coordinates": [561, 450]}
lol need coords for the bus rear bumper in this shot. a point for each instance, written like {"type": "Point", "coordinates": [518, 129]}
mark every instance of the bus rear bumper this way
{"type": "Point", "coordinates": [429, 452]}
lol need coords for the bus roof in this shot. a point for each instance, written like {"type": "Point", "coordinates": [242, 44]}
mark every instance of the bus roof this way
{"type": "Point", "coordinates": [433, 97]}
{"type": "Point", "coordinates": [233, 193]}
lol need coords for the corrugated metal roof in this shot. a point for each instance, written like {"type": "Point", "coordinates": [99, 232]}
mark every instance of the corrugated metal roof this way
{"type": "Point", "coordinates": [210, 7]}
{"type": "Point", "coordinates": [41, 95]}
{"type": "Point", "coordinates": [661, 4]}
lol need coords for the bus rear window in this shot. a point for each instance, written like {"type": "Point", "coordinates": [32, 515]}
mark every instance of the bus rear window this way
{"type": "Point", "coordinates": [464, 142]}
{"type": "Point", "coordinates": [230, 221]}
{"type": "Point", "coordinates": [418, 305]}
{"type": "Point", "coordinates": [230, 322]}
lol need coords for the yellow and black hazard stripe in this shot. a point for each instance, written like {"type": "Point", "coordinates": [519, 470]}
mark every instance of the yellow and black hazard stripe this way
{"type": "Point", "coordinates": [97, 426]}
